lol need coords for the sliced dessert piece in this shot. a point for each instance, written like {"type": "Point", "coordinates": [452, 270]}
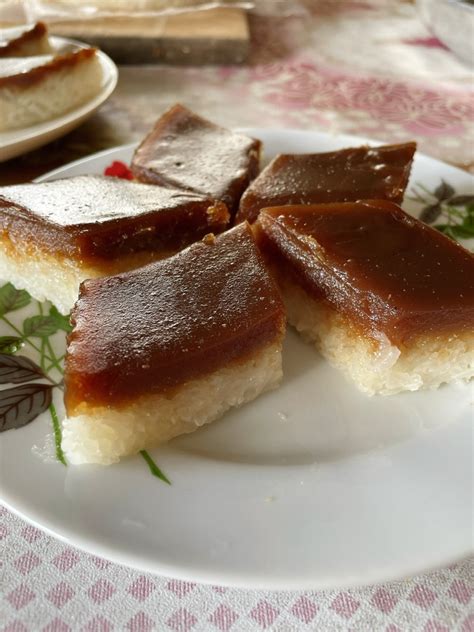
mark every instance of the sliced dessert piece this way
{"type": "Point", "coordinates": [387, 299]}
{"type": "Point", "coordinates": [186, 151]}
{"type": "Point", "coordinates": [346, 175]}
{"type": "Point", "coordinates": [23, 42]}
{"type": "Point", "coordinates": [37, 89]}
{"type": "Point", "coordinates": [162, 350]}
{"type": "Point", "coordinates": [53, 235]}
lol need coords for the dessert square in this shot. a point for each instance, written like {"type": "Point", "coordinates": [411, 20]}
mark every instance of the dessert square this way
{"type": "Point", "coordinates": [186, 151]}
{"type": "Point", "coordinates": [23, 42]}
{"type": "Point", "coordinates": [39, 88]}
{"type": "Point", "coordinates": [53, 235]}
{"type": "Point", "coordinates": [387, 299]}
{"type": "Point", "coordinates": [346, 175]}
{"type": "Point", "coordinates": [164, 349]}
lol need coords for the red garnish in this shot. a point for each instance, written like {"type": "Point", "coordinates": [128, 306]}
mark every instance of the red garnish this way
{"type": "Point", "coordinates": [118, 170]}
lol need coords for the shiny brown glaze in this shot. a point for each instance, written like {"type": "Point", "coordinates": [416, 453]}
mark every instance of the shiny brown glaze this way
{"type": "Point", "coordinates": [188, 152]}
{"type": "Point", "coordinates": [94, 219]}
{"type": "Point", "coordinates": [383, 269]}
{"type": "Point", "coordinates": [347, 175]}
{"type": "Point", "coordinates": [151, 330]}
{"type": "Point", "coordinates": [47, 66]}
{"type": "Point", "coordinates": [14, 47]}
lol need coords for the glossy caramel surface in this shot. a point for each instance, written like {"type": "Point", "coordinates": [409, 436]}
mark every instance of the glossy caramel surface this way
{"type": "Point", "coordinates": [383, 269]}
{"type": "Point", "coordinates": [98, 218]}
{"type": "Point", "coordinates": [346, 175]}
{"type": "Point", "coordinates": [187, 151]}
{"type": "Point", "coordinates": [23, 72]}
{"type": "Point", "coordinates": [152, 329]}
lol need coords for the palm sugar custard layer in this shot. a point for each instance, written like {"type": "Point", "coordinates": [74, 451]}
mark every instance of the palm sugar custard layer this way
{"type": "Point", "coordinates": [346, 175]}
{"type": "Point", "coordinates": [387, 299]}
{"type": "Point", "coordinates": [188, 152]}
{"type": "Point", "coordinates": [53, 235]}
{"type": "Point", "coordinates": [164, 349]}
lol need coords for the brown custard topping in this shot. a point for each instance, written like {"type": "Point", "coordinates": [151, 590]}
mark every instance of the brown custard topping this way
{"type": "Point", "coordinates": [188, 152]}
{"type": "Point", "coordinates": [96, 219]}
{"type": "Point", "coordinates": [383, 269]}
{"type": "Point", "coordinates": [151, 330]}
{"type": "Point", "coordinates": [339, 176]}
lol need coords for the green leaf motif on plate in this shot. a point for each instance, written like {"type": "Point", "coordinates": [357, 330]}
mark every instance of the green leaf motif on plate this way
{"type": "Point", "coordinates": [443, 191]}
{"type": "Point", "coordinates": [40, 326]}
{"type": "Point", "coordinates": [431, 213]}
{"type": "Point", "coordinates": [456, 230]}
{"type": "Point", "coordinates": [153, 467]}
{"type": "Point", "coordinates": [462, 200]}
{"type": "Point", "coordinates": [456, 211]}
{"type": "Point", "coordinates": [10, 344]}
{"type": "Point", "coordinates": [18, 369]}
{"type": "Point", "coordinates": [62, 322]}
{"type": "Point", "coordinates": [22, 404]}
{"type": "Point", "coordinates": [12, 299]}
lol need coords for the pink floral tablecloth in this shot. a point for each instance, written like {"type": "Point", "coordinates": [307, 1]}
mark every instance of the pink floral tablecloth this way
{"type": "Point", "coordinates": [365, 68]}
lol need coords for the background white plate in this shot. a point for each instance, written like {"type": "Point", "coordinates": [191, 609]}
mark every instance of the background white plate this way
{"type": "Point", "coordinates": [311, 486]}
{"type": "Point", "coordinates": [20, 141]}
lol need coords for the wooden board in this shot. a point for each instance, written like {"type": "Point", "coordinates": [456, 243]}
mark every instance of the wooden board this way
{"type": "Point", "coordinates": [214, 36]}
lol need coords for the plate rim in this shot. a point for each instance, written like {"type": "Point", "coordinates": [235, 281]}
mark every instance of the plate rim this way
{"type": "Point", "coordinates": [230, 580]}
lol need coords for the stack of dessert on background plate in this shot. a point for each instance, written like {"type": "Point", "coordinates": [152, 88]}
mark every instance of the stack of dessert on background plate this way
{"type": "Point", "coordinates": [38, 82]}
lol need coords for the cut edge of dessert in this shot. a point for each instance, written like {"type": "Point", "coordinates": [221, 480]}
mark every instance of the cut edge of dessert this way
{"type": "Point", "coordinates": [368, 356]}
{"type": "Point", "coordinates": [101, 431]}
{"type": "Point", "coordinates": [49, 278]}
{"type": "Point", "coordinates": [43, 276]}
{"type": "Point", "coordinates": [374, 364]}
{"type": "Point", "coordinates": [103, 435]}
{"type": "Point", "coordinates": [28, 258]}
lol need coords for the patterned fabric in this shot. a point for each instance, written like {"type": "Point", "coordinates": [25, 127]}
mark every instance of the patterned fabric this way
{"type": "Point", "coordinates": [344, 66]}
{"type": "Point", "coordinates": [48, 586]}
{"type": "Point", "coordinates": [366, 68]}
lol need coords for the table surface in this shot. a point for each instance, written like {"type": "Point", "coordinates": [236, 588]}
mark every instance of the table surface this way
{"type": "Point", "coordinates": [361, 67]}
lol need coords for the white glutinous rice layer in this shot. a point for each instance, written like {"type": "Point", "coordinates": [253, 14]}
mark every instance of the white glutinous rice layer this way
{"type": "Point", "coordinates": [374, 364]}
{"type": "Point", "coordinates": [105, 434]}
{"type": "Point", "coordinates": [44, 277]}
{"type": "Point", "coordinates": [55, 279]}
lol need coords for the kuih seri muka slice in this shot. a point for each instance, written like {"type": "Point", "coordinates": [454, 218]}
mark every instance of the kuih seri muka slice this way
{"type": "Point", "coordinates": [387, 299]}
{"type": "Point", "coordinates": [186, 151]}
{"type": "Point", "coordinates": [53, 235]}
{"type": "Point", "coordinates": [164, 349]}
{"type": "Point", "coordinates": [345, 175]}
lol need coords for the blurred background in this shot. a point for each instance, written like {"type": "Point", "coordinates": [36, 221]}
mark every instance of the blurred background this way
{"type": "Point", "coordinates": [391, 70]}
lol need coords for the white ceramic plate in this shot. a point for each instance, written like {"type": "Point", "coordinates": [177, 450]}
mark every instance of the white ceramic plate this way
{"type": "Point", "coordinates": [20, 141]}
{"type": "Point", "coordinates": [311, 486]}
